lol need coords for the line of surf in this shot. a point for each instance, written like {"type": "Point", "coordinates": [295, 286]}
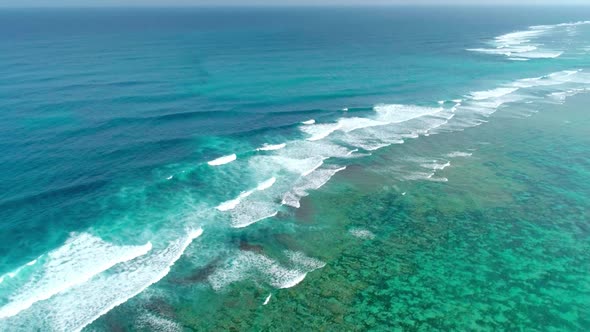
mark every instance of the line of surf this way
{"type": "Point", "coordinates": [222, 160]}
{"type": "Point", "coordinates": [231, 204]}
{"type": "Point", "coordinates": [76, 262]}
{"type": "Point", "coordinates": [79, 306]}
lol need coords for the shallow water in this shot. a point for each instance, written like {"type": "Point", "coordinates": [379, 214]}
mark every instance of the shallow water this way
{"type": "Point", "coordinates": [167, 176]}
{"type": "Point", "coordinates": [503, 244]}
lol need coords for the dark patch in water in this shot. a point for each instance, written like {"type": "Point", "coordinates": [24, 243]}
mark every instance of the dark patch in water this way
{"type": "Point", "coordinates": [201, 274]}
{"type": "Point", "coordinates": [245, 246]}
{"type": "Point", "coordinates": [161, 307]}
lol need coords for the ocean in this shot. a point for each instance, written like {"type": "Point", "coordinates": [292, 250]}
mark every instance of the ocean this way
{"type": "Point", "coordinates": [309, 169]}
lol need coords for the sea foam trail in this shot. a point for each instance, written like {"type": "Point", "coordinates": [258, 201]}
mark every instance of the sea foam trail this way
{"type": "Point", "coordinates": [266, 184]}
{"type": "Point", "coordinates": [388, 124]}
{"type": "Point", "coordinates": [231, 204]}
{"type": "Point", "coordinates": [12, 274]}
{"type": "Point", "coordinates": [362, 233]}
{"type": "Point", "coordinates": [289, 164]}
{"type": "Point", "coordinates": [321, 131]}
{"type": "Point", "coordinates": [455, 154]}
{"type": "Point", "coordinates": [247, 214]}
{"type": "Point", "coordinates": [523, 45]}
{"type": "Point", "coordinates": [77, 261]}
{"type": "Point", "coordinates": [250, 265]}
{"type": "Point", "coordinates": [313, 181]}
{"type": "Point", "coordinates": [271, 147]}
{"type": "Point", "coordinates": [299, 159]}
{"type": "Point", "coordinates": [384, 115]}
{"type": "Point", "coordinates": [222, 160]}
{"type": "Point", "coordinates": [552, 79]}
{"type": "Point", "coordinates": [400, 122]}
{"type": "Point", "coordinates": [479, 105]}
{"type": "Point", "coordinates": [494, 93]}
{"type": "Point", "coordinates": [79, 306]}
{"type": "Point", "coordinates": [435, 165]}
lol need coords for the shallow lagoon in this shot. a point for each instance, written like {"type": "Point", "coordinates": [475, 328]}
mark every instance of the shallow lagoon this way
{"type": "Point", "coordinates": [502, 245]}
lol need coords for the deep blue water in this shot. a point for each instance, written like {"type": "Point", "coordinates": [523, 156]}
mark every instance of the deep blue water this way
{"type": "Point", "coordinates": [109, 117]}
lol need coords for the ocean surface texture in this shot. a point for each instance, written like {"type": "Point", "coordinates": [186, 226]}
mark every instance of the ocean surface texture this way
{"type": "Point", "coordinates": [319, 169]}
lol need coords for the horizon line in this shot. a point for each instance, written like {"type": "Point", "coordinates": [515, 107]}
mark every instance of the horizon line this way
{"type": "Point", "coordinates": [307, 5]}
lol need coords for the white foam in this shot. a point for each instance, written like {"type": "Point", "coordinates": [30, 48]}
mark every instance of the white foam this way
{"type": "Point", "coordinates": [418, 176]}
{"type": "Point", "coordinates": [351, 152]}
{"type": "Point", "coordinates": [546, 54]}
{"type": "Point", "coordinates": [436, 166]}
{"type": "Point", "coordinates": [316, 166]}
{"type": "Point", "coordinates": [556, 78]}
{"type": "Point", "coordinates": [321, 131]}
{"type": "Point", "coordinates": [363, 233]}
{"type": "Point", "coordinates": [493, 93]}
{"type": "Point", "coordinates": [170, 177]}
{"type": "Point", "coordinates": [303, 262]}
{"type": "Point", "coordinates": [397, 113]}
{"type": "Point", "coordinates": [79, 306]}
{"type": "Point", "coordinates": [247, 214]}
{"type": "Point", "coordinates": [316, 150]}
{"type": "Point", "coordinates": [569, 24]}
{"type": "Point", "coordinates": [458, 154]}
{"type": "Point", "coordinates": [308, 122]}
{"type": "Point", "coordinates": [345, 109]}
{"type": "Point", "coordinates": [267, 299]}
{"type": "Point", "coordinates": [509, 51]}
{"type": "Point", "coordinates": [293, 282]}
{"type": "Point", "coordinates": [293, 164]}
{"type": "Point", "coordinates": [522, 45]}
{"type": "Point", "coordinates": [222, 160]}
{"type": "Point", "coordinates": [519, 37]}
{"type": "Point", "coordinates": [14, 273]}
{"type": "Point", "coordinates": [250, 265]}
{"type": "Point", "coordinates": [151, 322]}
{"type": "Point", "coordinates": [303, 185]}
{"type": "Point", "coordinates": [266, 184]}
{"type": "Point", "coordinates": [563, 95]}
{"type": "Point", "coordinates": [17, 271]}
{"type": "Point", "coordinates": [397, 122]}
{"type": "Point", "coordinates": [78, 260]}
{"type": "Point", "coordinates": [271, 147]}
{"type": "Point", "coordinates": [392, 123]}
{"type": "Point", "coordinates": [232, 204]}
{"type": "Point", "coordinates": [373, 146]}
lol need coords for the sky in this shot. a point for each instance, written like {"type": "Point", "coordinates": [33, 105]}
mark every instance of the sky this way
{"type": "Point", "coordinates": [166, 3]}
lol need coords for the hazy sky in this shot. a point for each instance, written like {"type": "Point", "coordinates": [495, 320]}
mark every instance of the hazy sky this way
{"type": "Point", "coordinates": [164, 3]}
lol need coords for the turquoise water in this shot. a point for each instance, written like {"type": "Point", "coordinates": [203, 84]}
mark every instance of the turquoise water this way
{"type": "Point", "coordinates": [274, 169]}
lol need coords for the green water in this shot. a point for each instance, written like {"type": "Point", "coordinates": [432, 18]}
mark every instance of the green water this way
{"type": "Point", "coordinates": [503, 245]}
{"type": "Point", "coordinates": [306, 169]}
